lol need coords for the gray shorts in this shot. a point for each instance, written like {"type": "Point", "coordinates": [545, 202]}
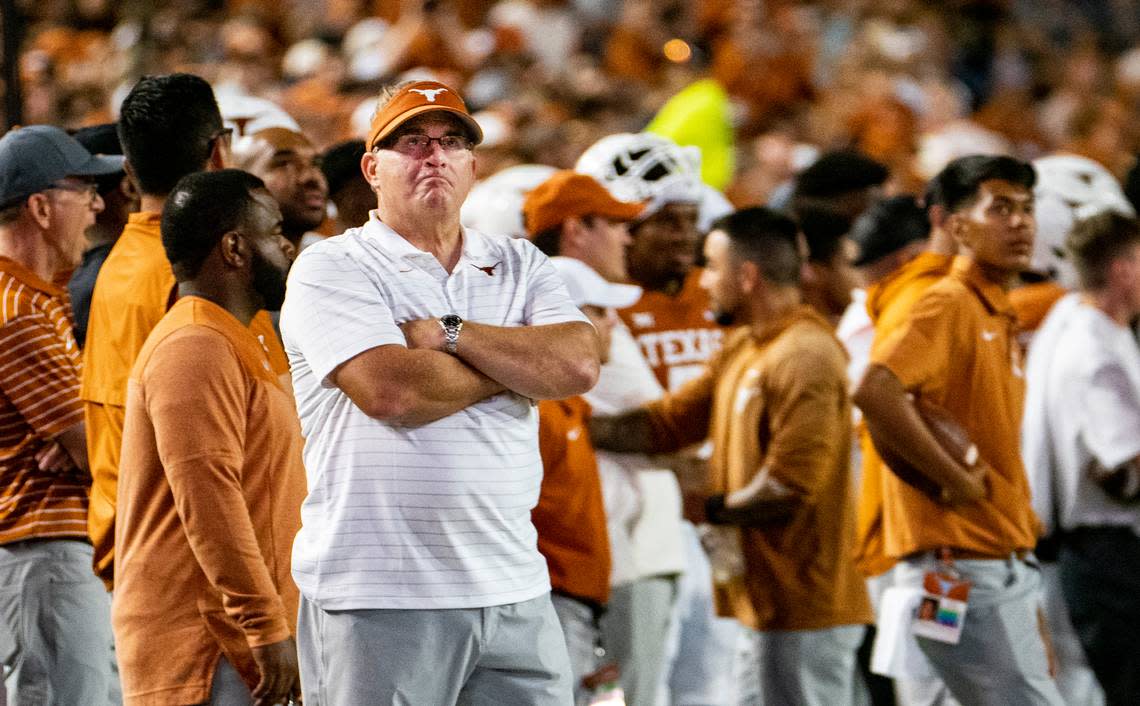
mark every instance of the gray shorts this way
{"type": "Point", "coordinates": [509, 654]}
{"type": "Point", "coordinates": [55, 625]}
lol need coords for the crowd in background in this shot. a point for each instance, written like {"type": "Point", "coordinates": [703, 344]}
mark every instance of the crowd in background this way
{"type": "Point", "coordinates": [909, 83]}
{"type": "Point", "coordinates": [819, 109]}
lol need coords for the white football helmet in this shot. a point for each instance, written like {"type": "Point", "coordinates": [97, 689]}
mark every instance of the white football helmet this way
{"type": "Point", "coordinates": [713, 205]}
{"type": "Point", "coordinates": [494, 206]}
{"type": "Point", "coordinates": [645, 167]}
{"type": "Point", "coordinates": [1068, 189]}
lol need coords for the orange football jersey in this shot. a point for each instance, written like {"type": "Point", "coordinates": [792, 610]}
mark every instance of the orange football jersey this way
{"type": "Point", "coordinates": [677, 334]}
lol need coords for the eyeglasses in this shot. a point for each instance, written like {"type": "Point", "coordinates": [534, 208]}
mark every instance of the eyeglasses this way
{"type": "Point", "coordinates": [80, 187]}
{"type": "Point", "coordinates": [226, 133]}
{"type": "Point", "coordinates": [418, 145]}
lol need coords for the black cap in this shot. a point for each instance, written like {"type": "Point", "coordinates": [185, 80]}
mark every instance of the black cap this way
{"type": "Point", "coordinates": [99, 139]}
{"type": "Point", "coordinates": [887, 227]}
{"type": "Point", "coordinates": [33, 158]}
{"type": "Point", "coordinates": [837, 173]}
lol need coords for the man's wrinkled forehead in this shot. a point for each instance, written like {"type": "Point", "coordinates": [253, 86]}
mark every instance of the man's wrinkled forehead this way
{"type": "Point", "coordinates": [424, 122]}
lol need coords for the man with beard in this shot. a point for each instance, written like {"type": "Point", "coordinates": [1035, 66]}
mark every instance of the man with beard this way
{"type": "Point", "coordinates": [169, 127]}
{"type": "Point", "coordinates": [211, 480]}
{"type": "Point", "coordinates": [774, 403]}
{"type": "Point", "coordinates": [671, 321]}
{"type": "Point", "coordinates": [291, 168]}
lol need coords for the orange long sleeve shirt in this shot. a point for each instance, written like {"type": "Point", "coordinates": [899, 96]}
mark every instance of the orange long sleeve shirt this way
{"type": "Point", "coordinates": [209, 501]}
{"type": "Point", "coordinates": [134, 290]}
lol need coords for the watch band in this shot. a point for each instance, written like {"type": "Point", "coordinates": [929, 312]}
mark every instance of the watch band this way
{"type": "Point", "coordinates": [452, 325]}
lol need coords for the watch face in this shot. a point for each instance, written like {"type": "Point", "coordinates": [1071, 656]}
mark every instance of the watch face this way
{"type": "Point", "coordinates": [451, 320]}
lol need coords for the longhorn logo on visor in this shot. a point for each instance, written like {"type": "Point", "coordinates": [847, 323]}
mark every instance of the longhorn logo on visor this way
{"type": "Point", "coordinates": [429, 93]}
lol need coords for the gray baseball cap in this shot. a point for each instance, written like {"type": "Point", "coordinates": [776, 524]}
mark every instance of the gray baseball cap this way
{"type": "Point", "coordinates": [33, 158]}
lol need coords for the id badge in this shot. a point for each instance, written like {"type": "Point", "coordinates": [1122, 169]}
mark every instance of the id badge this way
{"type": "Point", "coordinates": [942, 610]}
{"type": "Point", "coordinates": [602, 685]}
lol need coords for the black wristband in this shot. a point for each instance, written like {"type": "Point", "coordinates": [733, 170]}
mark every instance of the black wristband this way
{"type": "Point", "coordinates": [714, 510]}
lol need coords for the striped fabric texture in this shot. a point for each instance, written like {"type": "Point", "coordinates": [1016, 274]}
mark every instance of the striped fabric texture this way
{"type": "Point", "coordinates": [40, 365]}
{"type": "Point", "coordinates": [434, 516]}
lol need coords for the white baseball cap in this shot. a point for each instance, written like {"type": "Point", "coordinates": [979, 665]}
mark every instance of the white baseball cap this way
{"type": "Point", "coordinates": [248, 114]}
{"type": "Point", "coordinates": [588, 288]}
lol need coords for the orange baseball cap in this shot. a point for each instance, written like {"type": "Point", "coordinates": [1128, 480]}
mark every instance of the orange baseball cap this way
{"type": "Point", "coordinates": [568, 194]}
{"type": "Point", "coordinates": [415, 99]}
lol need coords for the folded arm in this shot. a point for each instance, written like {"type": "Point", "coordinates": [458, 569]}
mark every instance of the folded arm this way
{"type": "Point", "coordinates": [893, 422]}
{"type": "Point", "coordinates": [66, 451]}
{"type": "Point", "coordinates": [39, 360]}
{"type": "Point", "coordinates": [542, 362]}
{"type": "Point", "coordinates": [412, 387]}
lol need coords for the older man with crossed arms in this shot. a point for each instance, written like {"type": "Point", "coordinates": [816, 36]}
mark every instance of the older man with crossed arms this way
{"type": "Point", "coordinates": [417, 349]}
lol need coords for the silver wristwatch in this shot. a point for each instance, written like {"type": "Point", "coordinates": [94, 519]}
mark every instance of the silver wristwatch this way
{"type": "Point", "coordinates": [452, 325]}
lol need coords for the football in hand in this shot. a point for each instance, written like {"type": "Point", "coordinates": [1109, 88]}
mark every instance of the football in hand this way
{"type": "Point", "coordinates": [950, 436]}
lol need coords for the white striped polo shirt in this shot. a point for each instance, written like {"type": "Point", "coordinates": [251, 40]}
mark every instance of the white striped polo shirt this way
{"type": "Point", "coordinates": [419, 517]}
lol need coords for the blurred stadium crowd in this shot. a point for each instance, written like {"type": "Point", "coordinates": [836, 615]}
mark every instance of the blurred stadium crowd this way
{"type": "Point", "coordinates": [822, 109]}
{"type": "Point", "coordinates": [909, 83]}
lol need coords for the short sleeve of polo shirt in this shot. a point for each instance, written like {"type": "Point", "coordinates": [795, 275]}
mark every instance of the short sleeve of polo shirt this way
{"type": "Point", "coordinates": [918, 351]}
{"type": "Point", "coordinates": [38, 376]}
{"type": "Point", "coordinates": [333, 312]}
{"type": "Point", "coordinates": [1109, 413]}
{"type": "Point", "coordinates": [548, 301]}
